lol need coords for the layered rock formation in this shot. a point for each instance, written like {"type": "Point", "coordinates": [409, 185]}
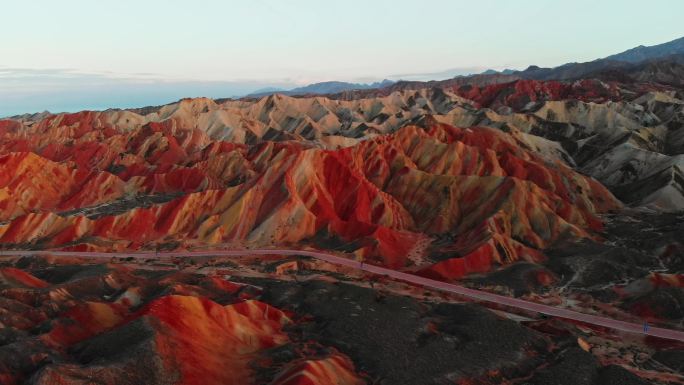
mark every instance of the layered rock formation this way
{"type": "Point", "coordinates": [120, 326]}
{"type": "Point", "coordinates": [109, 180]}
{"type": "Point", "coordinates": [75, 322]}
{"type": "Point", "coordinates": [501, 183]}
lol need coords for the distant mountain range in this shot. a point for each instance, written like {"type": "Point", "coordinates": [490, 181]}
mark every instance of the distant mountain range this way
{"type": "Point", "coordinates": [505, 72]}
{"type": "Point", "coordinates": [641, 53]}
{"type": "Point", "coordinates": [330, 87]}
{"type": "Point", "coordinates": [662, 63]}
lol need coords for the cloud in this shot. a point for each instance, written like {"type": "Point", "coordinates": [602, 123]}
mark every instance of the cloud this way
{"type": "Point", "coordinates": [24, 90]}
{"type": "Point", "coordinates": [28, 90]}
{"type": "Point", "coordinates": [10, 72]}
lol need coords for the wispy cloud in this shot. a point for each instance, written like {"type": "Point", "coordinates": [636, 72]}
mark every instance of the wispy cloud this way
{"type": "Point", "coordinates": [25, 90]}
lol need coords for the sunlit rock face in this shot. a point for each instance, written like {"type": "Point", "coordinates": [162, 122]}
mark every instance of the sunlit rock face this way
{"type": "Point", "coordinates": [561, 191]}
{"type": "Point", "coordinates": [73, 321]}
{"type": "Point", "coordinates": [124, 326]}
{"type": "Point", "coordinates": [96, 181]}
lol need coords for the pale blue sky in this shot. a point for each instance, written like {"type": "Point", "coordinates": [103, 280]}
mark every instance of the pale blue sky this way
{"type": "Point", "coordinates": [71, 54]}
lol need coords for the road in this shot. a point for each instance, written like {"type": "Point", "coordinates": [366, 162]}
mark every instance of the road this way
{"type": "Point", "coordinates": [478, 295]}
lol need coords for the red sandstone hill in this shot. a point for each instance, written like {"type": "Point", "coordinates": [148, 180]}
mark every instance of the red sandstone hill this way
{"type": "Point", "coordinates": [489, 184]}
{"type": "Point", "coordinates": [75, 183]}
{"type": "Point", "coordinates": [163, 329]}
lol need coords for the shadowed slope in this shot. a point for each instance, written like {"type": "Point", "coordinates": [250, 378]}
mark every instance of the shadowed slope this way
{"type": "Point", "coordinates": [386, 198]}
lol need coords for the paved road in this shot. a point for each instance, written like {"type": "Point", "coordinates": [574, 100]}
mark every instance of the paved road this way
{"type": "Point", "coordinates": [426, 282]}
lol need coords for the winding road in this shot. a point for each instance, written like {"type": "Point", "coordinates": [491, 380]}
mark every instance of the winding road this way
{"type": "Point", "coordinates": [426, 282]}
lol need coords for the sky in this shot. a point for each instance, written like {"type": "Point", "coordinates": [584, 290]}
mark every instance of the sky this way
{"type": "Point", "coordinates": [81, 54]}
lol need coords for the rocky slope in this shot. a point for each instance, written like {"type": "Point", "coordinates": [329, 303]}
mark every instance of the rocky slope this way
{"type": "Point", "coordinates": [509, 185]}
{"type": "Point", "coordinates": [73, 322]}
{"type": "Point", "coordinates": [621, 134]}
{"type": "Point", "coordinates": [387, 198]}
{"type": "Point", "coordinates": [120, 325]}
